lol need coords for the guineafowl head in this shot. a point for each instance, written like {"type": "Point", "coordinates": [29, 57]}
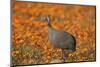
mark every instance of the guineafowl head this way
{"type": "Point", "coordinates": [48, 20]}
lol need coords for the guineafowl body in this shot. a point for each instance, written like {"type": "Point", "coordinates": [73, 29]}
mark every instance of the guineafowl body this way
{"type": "Point", "coordinates": [61, 39]}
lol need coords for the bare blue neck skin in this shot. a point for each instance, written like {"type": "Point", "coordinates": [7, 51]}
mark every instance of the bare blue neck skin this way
{"type": "Point", "coordinates": [49, 21]}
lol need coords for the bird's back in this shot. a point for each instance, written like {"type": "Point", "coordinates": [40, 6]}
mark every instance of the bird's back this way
{"type": "Point", "coordinates": [61, 39]}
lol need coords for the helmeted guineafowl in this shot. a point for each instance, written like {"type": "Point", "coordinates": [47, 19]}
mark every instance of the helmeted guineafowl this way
{"type": "Point", "coordinates": [60, 39]}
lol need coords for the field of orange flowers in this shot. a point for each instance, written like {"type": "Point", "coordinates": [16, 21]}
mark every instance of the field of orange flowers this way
{"type": "Point", "coordinates": [30, 43]}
